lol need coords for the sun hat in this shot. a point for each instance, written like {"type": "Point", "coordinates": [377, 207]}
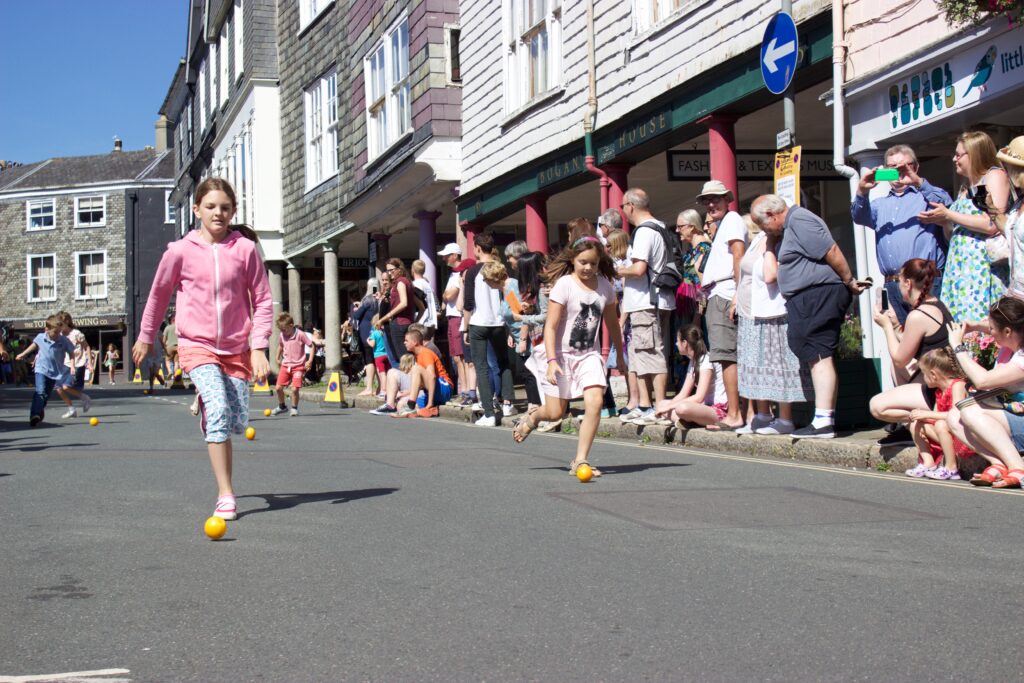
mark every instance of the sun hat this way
{"type": "Point", "coordinates": [714, 188]}
{"type": "Point", "coordinates": [449, 249]}
{"type": "Point", "coordinates": [1013, 153]}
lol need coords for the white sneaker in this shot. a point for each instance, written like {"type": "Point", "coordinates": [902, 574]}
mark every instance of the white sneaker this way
{"type": "Point", "coordinates": [508, 410]}
{"type": "Point", "coordinates": [631, 415]}
{"type": "Point", "coordinates": [70, 413]}
{"type": "Point", "coordinates": [477, 407]}
{"type": "Point", "coordinates": [294, 412]}
{"type": "Point", "coordinates": [777, 427]}
{"type": "Point", "coordinates": [279, 410]}
{"type": "Point", "coordinates": [86, 403]}
{"type": "Point", "coordinates": [486, 421]}
{"type": "Point", "coordinates": [646, 418]}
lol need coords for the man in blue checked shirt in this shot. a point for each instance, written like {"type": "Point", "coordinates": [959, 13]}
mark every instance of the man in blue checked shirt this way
{"type": "Point", "coordinates": [899, 233]}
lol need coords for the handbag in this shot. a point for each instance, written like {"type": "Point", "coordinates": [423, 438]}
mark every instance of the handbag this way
{"type": "Point", "coordinates": [995, 399]}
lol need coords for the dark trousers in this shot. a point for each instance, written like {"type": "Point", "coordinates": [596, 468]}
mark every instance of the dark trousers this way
{"type": "Point", "coordinates": [521, 374]}
{"type": "Point", "coordinates": [480, 338]}
{"type": "Point", "coordinates": [396, 335]}
{"type": "Point", "coordinates": [44, 387]}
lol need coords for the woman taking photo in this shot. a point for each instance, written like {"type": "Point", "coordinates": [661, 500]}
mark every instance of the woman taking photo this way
{"type": "Point", "coordinates": [1012, 222]}
{"type": "Point", "coordinates": [925, 329]}
{"type": "Point", "coordinates": [971, 283]}
{"type": "Point", "coordinates": [994, 426]}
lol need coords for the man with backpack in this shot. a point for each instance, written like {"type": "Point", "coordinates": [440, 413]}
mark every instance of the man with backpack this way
{"type": "Point", "coordinates": [647, 299]}
{"type": "Point", "coordinates": [721, 275]}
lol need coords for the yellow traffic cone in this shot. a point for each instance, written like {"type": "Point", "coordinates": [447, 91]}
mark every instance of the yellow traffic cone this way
{"type": "Point", "coordinates": [335, 393]}
{"type": "Point", "coordinates": [138, 377]}
{"type": "Point", "coordinates": [261, 387]}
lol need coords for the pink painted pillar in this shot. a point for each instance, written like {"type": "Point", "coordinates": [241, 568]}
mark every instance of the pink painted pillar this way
{"type": "Point", "coordinates": [537, 222]}
{"type": "Point", "coordinates": [428, 243]}
{"type": "Point", "coordinates": [618, 174]}
{"type": "Point", "coordinates": [722, 141]}
{"type": "Point", "coordinates": [469, 228]}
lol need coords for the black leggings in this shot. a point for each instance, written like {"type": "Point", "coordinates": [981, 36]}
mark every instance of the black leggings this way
{"type": "Point", "coordinates": [497, 338]}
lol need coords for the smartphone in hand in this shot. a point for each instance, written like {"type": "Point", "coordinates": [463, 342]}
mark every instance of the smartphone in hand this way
{"type": "Point", "coordinates": [885, 300]}
{"type": "Point", "coordinates": [887, 174]}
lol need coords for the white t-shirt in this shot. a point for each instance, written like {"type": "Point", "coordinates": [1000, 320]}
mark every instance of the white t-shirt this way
{"type": "Point", "coordinates": [718, 395]}
{"type": "Point", "coordinates": [429, 315]}
{"type": "Point", "coordinates": [451, 308]}
{"type": "Point", "coordinates": [719, 267]}
{"type": "Point", "coordinates": [488, 305]}
{"type": "Point", "coordinates": [636, 291]}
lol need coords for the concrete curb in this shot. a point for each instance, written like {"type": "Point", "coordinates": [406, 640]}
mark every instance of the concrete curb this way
{"type": "Point", "coordinates": [845, 451]}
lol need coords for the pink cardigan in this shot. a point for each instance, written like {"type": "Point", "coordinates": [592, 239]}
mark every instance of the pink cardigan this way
{"type": "Point", "coordinates": [223, 297]}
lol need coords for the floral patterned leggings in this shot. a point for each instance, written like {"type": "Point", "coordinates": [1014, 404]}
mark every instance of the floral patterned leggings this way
{"type": "Point", "coordinates": [223, 400]}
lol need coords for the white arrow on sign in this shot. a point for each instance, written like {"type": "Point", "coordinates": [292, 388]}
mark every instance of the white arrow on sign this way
{"type": "Point", "coordinates": [773, 54]}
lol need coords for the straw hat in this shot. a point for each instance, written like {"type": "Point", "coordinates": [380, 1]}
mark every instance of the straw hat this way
{"type": "Point", "coordinates": [714, 188]}
{"type": "Point", "coordinates": [1013, 153]}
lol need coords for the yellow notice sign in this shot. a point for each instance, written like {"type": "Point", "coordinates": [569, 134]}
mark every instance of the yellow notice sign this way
{"type": "Point", "coordinates": [787, 175]}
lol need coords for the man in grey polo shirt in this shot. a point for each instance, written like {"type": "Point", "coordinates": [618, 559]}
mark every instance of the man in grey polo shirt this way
{"type": "Point", "coordinates": [816, 281]}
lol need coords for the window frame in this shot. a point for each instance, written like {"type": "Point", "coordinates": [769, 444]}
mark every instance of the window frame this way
{"type": "Point", "coordinates": [202, 96]}
{"type": "Point", "coordinates": [103, 220]}
{"type": "Point", "coordinates": [238, 37]}
{"type": "Point", "coordinates": [28, 214]}
{"type": "Point", "coordinates": [449, 71]}
{"type": "Point", "coordinates": [310, 10]}
{"type": "Point", "coordinates": [521, 86]}
{"type": "Point", "coordinates": [28, 277]}
{"type": "Point", "coordinates": [387, 120]}
{"type": "Point", "coordinates": [170, 210]}
{"type": "Point", "coordinates": [320, 117]}
{"type": "Point", "coordinates": [225, 71]}
{"type": "Point", "coordinates": [651, 14]}
{"type": "Point", "coordinates": [79, 274]}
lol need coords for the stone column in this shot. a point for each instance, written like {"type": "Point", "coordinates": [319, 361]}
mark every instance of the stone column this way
{"type": "Point", "coordinates": [618, 174]}
{"type": "Point", "coordinates": [537, 222]}
{"type": "Point", "coordinates": [428, 244]}
{"type": "Point", "coordinates": [275, 273]}
{"type": "Point", "coordinates": [722, 141]}
{"type": "Point", "coordinates": [295, 293]}
{"type": "Point", "coordinates": [332, 310]}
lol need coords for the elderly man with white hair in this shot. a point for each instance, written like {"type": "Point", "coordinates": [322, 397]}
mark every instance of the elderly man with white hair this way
{"type": "Point", "coordinates": [816, 281]}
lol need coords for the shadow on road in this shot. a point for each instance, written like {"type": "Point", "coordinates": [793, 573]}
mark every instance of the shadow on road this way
{"type": "Point", "coordinates": [283, 501]}
{"type": "Point", "coordinates": [47, 447]}
{"type": "Point", "coordinates": [624, 469]}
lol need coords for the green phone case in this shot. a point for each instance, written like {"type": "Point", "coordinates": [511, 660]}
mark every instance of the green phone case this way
{"type": "Point", "coordinates": [887, 174]}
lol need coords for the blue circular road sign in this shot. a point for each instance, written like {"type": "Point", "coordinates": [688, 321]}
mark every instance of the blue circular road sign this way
{"type": "Point", "coordinates": [779, 53]}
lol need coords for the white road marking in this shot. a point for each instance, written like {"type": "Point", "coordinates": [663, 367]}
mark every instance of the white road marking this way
{"type": "Point", "coordinates": [70, 677]}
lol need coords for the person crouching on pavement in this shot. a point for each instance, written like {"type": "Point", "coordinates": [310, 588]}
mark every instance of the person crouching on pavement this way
{"type": "Point", "coordinates": [429, 386]}
{"type": "Point", "coordinates": [293, 361]}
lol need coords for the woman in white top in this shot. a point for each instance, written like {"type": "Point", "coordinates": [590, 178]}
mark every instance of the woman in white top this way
{"type": "Point", "coordinates": [1012, 222]}
{"type": "Point", "coordinates": [702, 400]}
{"type": "Point", "coordinates": [768, 369]}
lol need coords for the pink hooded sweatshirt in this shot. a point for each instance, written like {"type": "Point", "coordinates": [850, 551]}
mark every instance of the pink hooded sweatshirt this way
{"type": "Point", "coordinates": [223, 294]}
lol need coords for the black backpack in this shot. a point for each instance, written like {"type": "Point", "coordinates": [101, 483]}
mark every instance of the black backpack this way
{"type": "Point", "coordinates": [419, 302]}
{"type": "Point", "coordinates": [671, 276]}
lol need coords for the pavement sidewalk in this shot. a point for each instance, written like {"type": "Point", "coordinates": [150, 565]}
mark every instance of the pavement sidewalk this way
{"type": "Point", "coordinates": [857, 449]}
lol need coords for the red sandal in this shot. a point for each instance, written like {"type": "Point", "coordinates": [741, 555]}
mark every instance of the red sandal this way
{"type": "Point", "coordinates": [1011, 480]}
{"type": "Point", "coordinates": [990, 475]}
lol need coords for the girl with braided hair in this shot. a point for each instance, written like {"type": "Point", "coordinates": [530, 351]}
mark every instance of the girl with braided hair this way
{"type": "Point", "coordinates": [943, 374]}
{"type": "Point", "coordinates": [925, 330]}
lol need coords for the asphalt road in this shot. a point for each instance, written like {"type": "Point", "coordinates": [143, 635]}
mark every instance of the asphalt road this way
{"type": "Point", "coordinates": [371, 548]}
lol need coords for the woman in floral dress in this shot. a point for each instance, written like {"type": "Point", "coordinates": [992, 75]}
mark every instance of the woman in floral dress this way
{"type": "Point", "coordinates": [688, 225]}
{"type": "Point", "coordinates": [971, 284]}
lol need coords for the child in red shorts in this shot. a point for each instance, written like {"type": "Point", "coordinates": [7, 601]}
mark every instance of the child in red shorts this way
{"type": "Point", "coordinates": [292, 358]}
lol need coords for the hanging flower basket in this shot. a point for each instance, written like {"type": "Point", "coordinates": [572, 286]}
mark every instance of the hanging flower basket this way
{"type": "Point", "coordinates": [974, 12]}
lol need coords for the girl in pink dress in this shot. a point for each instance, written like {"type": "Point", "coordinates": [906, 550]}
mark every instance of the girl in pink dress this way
{"type": "Point", "coordinates": [568, 364]}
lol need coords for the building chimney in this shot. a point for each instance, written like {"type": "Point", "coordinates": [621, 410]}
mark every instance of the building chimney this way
{"type": "Point", "coordinates": [164, 133]}
{"type": "Point", "coordinates": [117, 144]}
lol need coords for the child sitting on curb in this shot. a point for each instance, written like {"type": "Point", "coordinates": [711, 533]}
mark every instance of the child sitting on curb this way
{"type": "Point", "coordinates": [397, 383]}
{"type": "Point", "coordinates": [430, 386]}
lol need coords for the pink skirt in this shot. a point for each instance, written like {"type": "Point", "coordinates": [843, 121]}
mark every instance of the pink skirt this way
{"type": "Point", "coordinates": [579, 372]}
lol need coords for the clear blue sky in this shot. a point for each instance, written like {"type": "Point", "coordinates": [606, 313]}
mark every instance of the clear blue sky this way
{"type": "Point", "coordinates": [75, 73]}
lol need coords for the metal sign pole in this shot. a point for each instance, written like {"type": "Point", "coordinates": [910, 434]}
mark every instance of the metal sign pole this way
{"type": "Point", "coordinates": [788, 100]}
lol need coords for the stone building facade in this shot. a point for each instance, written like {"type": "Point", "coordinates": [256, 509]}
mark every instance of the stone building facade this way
{"type": "Point", "coordinates": [83, 234]}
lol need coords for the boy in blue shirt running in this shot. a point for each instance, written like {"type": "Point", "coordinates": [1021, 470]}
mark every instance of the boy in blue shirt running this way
{"type": "Point", "coordinates": [53, 347]}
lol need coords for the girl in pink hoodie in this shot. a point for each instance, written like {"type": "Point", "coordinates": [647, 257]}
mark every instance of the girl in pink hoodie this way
{"type": "Point", "coordinates": [223, 301]}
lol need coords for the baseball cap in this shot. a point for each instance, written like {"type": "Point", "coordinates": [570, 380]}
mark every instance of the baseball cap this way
{"type": "Point", "coordinates": [465, 264]}
{"type": "Point", "coordinates": [449, 249]}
